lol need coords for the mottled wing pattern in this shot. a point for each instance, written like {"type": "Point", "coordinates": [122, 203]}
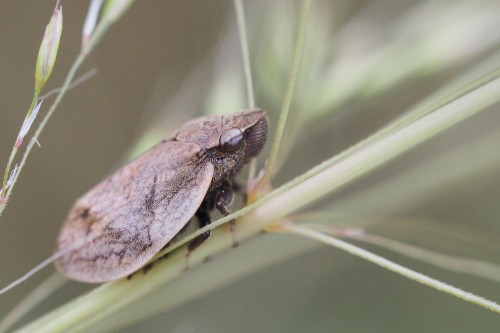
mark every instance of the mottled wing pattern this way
{"type": "Point", "coordinates": [125, 220]}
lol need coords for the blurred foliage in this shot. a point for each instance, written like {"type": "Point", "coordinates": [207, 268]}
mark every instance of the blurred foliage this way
{"type": "Point", "coordinates": [365, 64]}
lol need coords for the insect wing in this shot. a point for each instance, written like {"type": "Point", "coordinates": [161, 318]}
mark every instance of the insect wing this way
{"type": "Point", "coordinates": [125, 220]}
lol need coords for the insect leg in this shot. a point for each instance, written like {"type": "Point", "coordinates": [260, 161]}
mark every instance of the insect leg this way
{"type": "Point", "coordinates": [223, 200]}
{"type": "Point", "coordinates": [203, 220]}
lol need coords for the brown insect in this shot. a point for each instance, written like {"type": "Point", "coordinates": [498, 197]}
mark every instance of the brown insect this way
{"type": "Point", "coordinates": [129, 217]}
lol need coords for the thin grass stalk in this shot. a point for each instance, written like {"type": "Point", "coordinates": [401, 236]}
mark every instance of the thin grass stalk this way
{"type": "Point", "coordinates": [287, 101]}
{"type": "Point", "coordinates": [391, 266]}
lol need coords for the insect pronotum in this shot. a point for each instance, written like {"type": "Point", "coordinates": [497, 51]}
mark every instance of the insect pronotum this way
{"type": "Point", "coordinates": [131, 215]}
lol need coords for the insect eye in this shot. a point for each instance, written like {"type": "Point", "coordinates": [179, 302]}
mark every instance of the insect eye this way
{"type": "Point", "coordinates": [231, 139]}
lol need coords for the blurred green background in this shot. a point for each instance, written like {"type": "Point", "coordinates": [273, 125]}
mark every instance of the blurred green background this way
{"type": "Point", "coordinates": [167, 61]}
